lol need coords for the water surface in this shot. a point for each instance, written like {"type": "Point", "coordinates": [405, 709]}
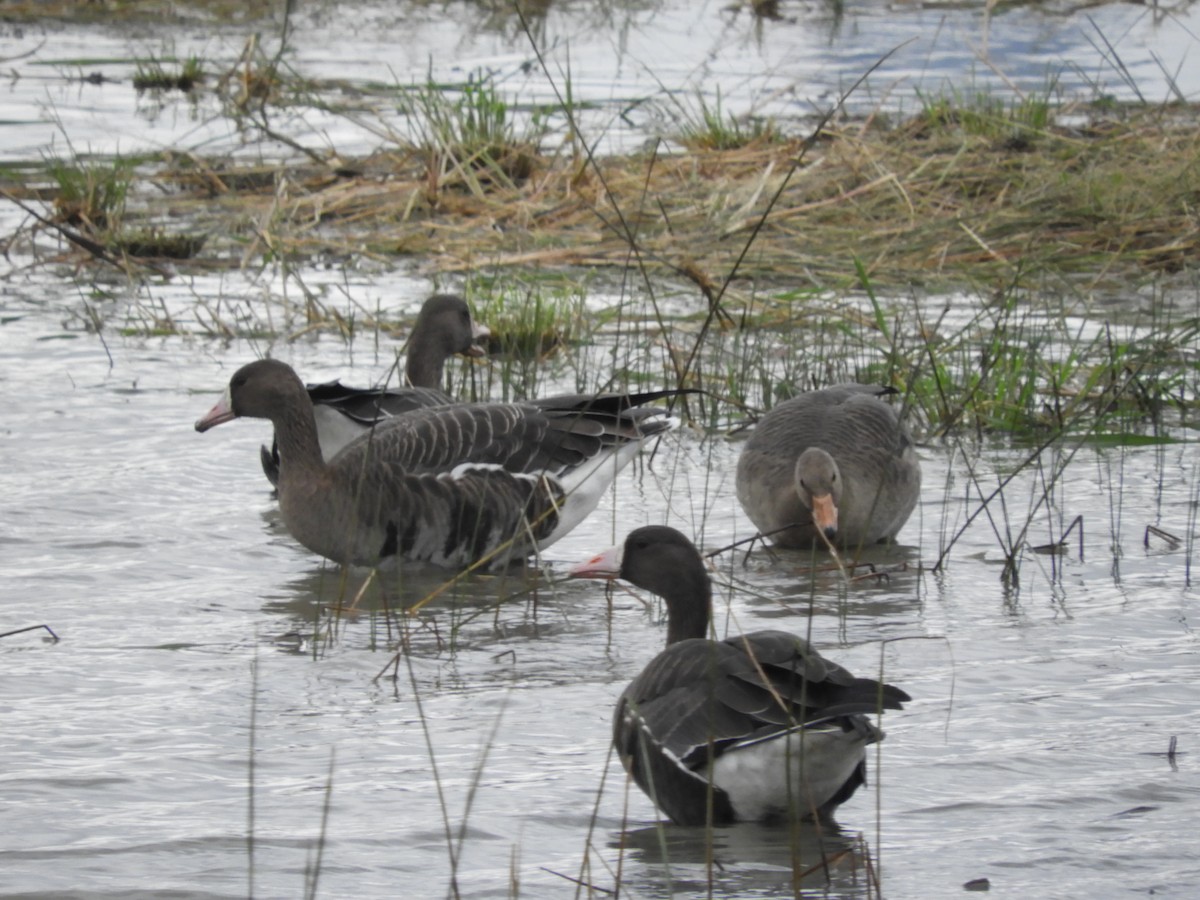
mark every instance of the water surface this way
{"type": "Point", "coordinates": [196, 638]}
{"type": "Point", "coordinates": [635, 69]}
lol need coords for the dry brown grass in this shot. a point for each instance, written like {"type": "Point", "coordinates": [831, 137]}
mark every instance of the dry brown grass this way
{"type": "Point", "coordinates": [923, 202]}
{"type": "Point", "coordinates": [108, 12]}
{"type": "Point", "coordinates": [913, 203]}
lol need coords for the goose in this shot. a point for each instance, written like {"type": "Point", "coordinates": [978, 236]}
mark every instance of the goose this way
{"type": "Point", "coordinates": [444, 327]}
{"type": "Point", "coordinates": [450, 485]}
{"type": "Point", "coordinates": [837, 462]}
{"type": "Point", "coordinates": [758, 727]}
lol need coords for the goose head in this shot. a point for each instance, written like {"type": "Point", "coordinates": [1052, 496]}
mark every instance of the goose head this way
{"type": "Point", "coordinates": [262, 389]}
{"type": "Point", "coordinates": [443, 328]}
{"type": "Point", "coordinates": [819, 484]}
{"type": "Point", "coordinates": [663, 561]}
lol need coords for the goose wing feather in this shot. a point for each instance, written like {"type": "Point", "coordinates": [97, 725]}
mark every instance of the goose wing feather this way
{"type": "Point", "coordinates": [448, 518]}
{"type": "Point", "coordinates": [523, 438]}
{"type": "Point", "coordinates": [368, 405]}
{"type": "Point", "coordinates": [700, 694]}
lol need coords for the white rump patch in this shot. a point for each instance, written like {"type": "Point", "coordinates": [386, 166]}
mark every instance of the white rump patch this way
{"type": "Point", "coordinates": [798, 770]}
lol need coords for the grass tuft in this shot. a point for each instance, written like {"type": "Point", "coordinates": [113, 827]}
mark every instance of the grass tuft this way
{"type": "Point", "coordinates": [91, 193]}
{"type": "Point", "coordinates": [1015, 120]}
{"type": "Point", "coordinates": [154, 74]}
{"type": "Point", "coordinates": [471, 134]}
{"type": "Point", "coordinates": [705, 126]}
{"type": "Point", "coordinates": [531, 323]}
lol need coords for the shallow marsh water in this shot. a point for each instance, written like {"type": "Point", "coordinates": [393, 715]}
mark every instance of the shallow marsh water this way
{"type": "Point", "coordinates": [202, 692]}
{"type": "Point", "coordinates": [196, 637]}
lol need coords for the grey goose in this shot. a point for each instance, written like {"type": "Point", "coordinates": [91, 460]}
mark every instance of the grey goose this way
{"type": "Point", "coordinates": [836, 461]}
{"type": "Point", "coordinates": [757, 727]}
{"type": "Point", "coordinates": [450, 485]}
{"type": "Point", "coordinates": [444, 327]}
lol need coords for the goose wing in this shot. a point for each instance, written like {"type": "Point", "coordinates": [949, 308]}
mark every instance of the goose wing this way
{"type": "Point", "coordinates": [698, 698]}
{"type": "Point", "coordinates": [367, 405]}
{"type": "Point", "coordinates": [449, 519]}
{"type": "Point", "coordinates": [548, 436]}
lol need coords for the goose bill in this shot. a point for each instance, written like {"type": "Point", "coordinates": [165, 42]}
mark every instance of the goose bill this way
{"type": "Point", "coordinates": [478, 333]}
{"type": "Point", "coordinates": [606, 565]}
{"type": "Point", "coordinates": [222, 412]}
{"type": "Point", "coordinates": [825, 514]}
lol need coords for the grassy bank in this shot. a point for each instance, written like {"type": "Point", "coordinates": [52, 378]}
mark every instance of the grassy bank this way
{"type": "Point", "coordinates": [941, 200]}
{"type": "Point", "coordinates": [974, 189]}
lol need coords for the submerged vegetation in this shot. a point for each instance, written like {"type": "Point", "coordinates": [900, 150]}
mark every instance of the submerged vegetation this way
{"type": "Point", "coordinates": [136, 11]}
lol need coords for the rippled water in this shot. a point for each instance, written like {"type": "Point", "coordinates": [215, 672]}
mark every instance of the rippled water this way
{"type": "Point", "coordinates": [630, 67]}
{"type": "Point", "coordinates": [195, 638]}
{"type": "Point", "coordinates": [203, 693]}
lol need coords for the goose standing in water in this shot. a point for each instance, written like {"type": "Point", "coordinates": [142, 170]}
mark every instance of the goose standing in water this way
{"type": "Point", "coordinates": [444, 327]}
{"type": "Point", "coordinates": [757, 727]}
{"type": "Point", "coordinates": [836, 462]}
{"type": "Point", "coordinates": [450, 485]}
